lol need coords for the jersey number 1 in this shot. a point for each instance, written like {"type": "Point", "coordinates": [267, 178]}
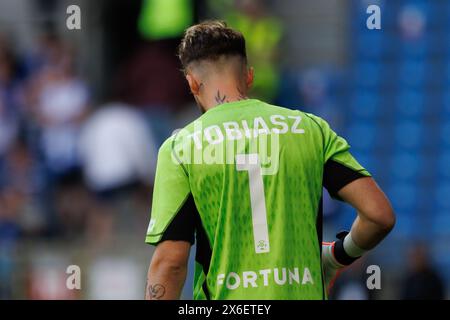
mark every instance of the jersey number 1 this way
{"type": "Point", "coordinates": [250, 163]}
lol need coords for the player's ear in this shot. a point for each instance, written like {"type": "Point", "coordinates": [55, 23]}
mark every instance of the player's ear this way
{"type": "Point", "coordinates": [250, 77]}
{"type": "Point", "coordinates": [194, 85]}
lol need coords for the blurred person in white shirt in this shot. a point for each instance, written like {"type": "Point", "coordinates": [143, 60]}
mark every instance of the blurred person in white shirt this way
{"type": "Point", "coordinates": [118, 154]}
{"type": "Point", "coordinates": [58, 100]}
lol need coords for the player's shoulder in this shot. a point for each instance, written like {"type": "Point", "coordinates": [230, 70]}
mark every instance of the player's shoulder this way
{"type": "Point", "coordinates": [307, 118]}
{"type": "Point", "coordinates": [177, 137]}
{"type": "Point", "coordinates": [166, 147]}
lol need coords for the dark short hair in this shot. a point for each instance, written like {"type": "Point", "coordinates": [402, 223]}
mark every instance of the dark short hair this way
{"type": "Point", "coordinates": [210, 40]}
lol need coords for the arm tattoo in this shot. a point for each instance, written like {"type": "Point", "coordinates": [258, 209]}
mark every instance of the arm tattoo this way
{"type": "Point", "coordinates": [156, 291]}
{"type": "Point", "coordinates": [220, 99]}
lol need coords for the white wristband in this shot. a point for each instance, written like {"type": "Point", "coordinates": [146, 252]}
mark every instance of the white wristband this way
{"type": "Point", "coordinates": [351, 248]}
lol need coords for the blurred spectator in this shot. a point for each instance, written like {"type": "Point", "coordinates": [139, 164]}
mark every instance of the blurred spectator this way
{"type": "Point", "coordinates": [422, 281]}
{"type": "Point", "coordinates": [20, 212]}
{"type": "Point", "coordinates": [263, 33]}
{"type": "Point", "coordinates": [20, 184]}
{"type": "Point", "coordinates": [412, 22]}
{"type": "Point", "coordinates": [58, 101]}
{"type": "Point", "coordinates": [46, 51]}
{"type": "Point", "coordinates": [73, 206]}
{"type": "Point", "coordinates": [164, 19]}
{"type": "Point", "coordinates": [117, 148]}
{"type": "Point", "coordinates": [9, 236]}
{"type": "Point", "coordinates": [118, 154]}
{"type": "Point", "coordinates": [9, 112]}
{"type": "Point", "coordinates": [13, 199]}
{"type": "Point", "coordinates": [151, 76]}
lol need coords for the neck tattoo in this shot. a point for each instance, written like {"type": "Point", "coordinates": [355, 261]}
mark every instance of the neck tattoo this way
{"type": "Point", "coordinates": [219, 98]}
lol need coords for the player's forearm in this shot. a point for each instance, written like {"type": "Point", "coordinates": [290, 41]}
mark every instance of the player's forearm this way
{"type": "Point", "coordinates": [366, 234]}
{"type": "Point", "coordinates": [375, 215]}
{"type": "Point", "coordinates": [165, 281]}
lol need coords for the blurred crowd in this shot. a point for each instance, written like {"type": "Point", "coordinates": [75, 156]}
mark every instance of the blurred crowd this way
{"type": "Point", "coordinates": [53, 142]}
{"type": "Point", "coordinates": [65, 153]}
{"type": "Point", "coordinates": [63, 163]}
{"type": "Point", "coordinates": [76, 166]}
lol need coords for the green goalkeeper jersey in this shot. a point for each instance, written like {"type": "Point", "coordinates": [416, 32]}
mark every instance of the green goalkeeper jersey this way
{"type": "Point", "coordinates": [247, 178]}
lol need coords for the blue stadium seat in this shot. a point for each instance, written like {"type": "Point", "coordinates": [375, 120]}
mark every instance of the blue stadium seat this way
{"type": "Point", "coordinates": [405, 166]}
{"type": "Point", "coordinates": [392, 44]}
{"type": "Point", "coordinates": [412, 73]}
{"type": "Point", "coordinates": [443, 165]}
{"type": "Point", "coordinates": [414, 49]}
{"type": "Point", "coordinates": [362, 136]}
{"type": "Point", "coordinates": [445, 134]}
{"type": "Point", "coordinates": [433, 106]}
{"type": "Point", "coordinates": [446, 43]}
{"type": "Point", "coordinates": [437, 47]}
{"type": "Point", "coordinates": [447, 67]}
{"type": "Point", "coordinates": [434, 77]}
{"type": "Point", "coordinates": [404, 226]}
{"type": "Point", "coordinates": [446, 104]}
{"type": "Point", "coordinates": [409, 135]}
{"type": "Point", "coordinates": [371, 44]}
{"type": "Point", "coordinates": [441, 223]}
{"type": "Point", "coordinates": [442, 195]}
{"type": "Point", "coordinates": [367, 74]}
{"type": "Point", "coordinates": [404, 197]}
{"type": "Point", "coordinates": [365, 104]}
{"type": "Point", "coordinates": [404, 105]}
{"type": "Point", "coordinates": [410, 104]}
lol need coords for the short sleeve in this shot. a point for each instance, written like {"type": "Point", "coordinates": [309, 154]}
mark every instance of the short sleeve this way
{"type": "Point", "coordinates": [171, 191]}
{"type": "Point", "coordinates": [340, 167]}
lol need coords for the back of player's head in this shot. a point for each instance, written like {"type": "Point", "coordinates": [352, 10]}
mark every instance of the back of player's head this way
{"type": "Point", "coordinates": [211, 41]}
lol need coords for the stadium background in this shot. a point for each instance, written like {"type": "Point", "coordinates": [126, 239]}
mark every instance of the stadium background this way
{"type": "Point", "coordinates": [82, 113]}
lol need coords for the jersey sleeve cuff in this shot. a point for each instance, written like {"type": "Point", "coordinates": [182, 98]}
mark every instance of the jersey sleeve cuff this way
{"type": "Point", "coordinates": [153, 239]}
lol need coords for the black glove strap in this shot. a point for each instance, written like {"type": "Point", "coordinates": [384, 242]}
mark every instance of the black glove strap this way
{"type": "Point", "coordinates": [339, 253]}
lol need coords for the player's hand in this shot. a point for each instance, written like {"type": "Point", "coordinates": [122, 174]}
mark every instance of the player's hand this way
{"type": "Point", "coordinates": [331, 268]}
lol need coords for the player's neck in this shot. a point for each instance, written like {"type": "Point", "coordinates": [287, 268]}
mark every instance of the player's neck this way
{"type": "Point", "coordinates": [220, 94]}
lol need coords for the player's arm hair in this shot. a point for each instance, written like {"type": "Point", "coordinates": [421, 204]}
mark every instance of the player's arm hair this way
{"type": "Point", "coordinates": [375, 218]}
{"type": "Point", "coordinates": [167, 271]}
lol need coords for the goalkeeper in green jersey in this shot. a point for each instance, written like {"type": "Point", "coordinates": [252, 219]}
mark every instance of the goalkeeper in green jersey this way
{"type": "Point", "coordinates": [244, 182]}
